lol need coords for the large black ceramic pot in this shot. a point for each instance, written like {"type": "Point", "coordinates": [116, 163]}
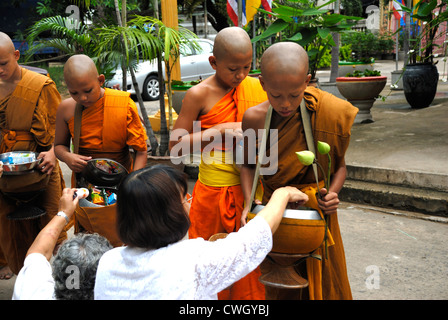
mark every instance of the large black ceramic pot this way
{"type": "Point", "coordinates": [420, 84]}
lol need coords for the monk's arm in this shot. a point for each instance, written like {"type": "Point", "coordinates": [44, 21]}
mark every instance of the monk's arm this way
{"type": "Point", "coordinates": [187, 134]}
{"type": "Point", "coordinates": [140, 160]}
{"type": "Point", "coordinates": [251, 119]}
{"type": "Point", "coordinates": [247, 173]}
{"type": "Point", "coordinates": [47, 238]}
{"type": "Point", "coordinates": [62, 137]}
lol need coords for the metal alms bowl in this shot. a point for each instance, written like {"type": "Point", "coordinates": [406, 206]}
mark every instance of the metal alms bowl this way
{"type": "Point", "coordinates": [28, 161]}
{"type": "Point", "coordinates": [300, 231]}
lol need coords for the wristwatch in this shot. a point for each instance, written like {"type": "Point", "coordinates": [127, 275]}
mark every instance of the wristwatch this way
{"type": "Point", "coordinates": [62, 214]}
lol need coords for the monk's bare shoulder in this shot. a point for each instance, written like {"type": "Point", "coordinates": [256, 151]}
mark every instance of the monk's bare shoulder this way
{"type": "Point", "coordinates": [66, 109]}
{"type": "Point", "coordinates": [254, 117]}
{"type": "Point", "coordinates": [202, 97]}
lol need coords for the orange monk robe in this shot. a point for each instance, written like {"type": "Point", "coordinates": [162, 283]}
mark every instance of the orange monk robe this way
{"type": "Point", "coordinates": [331, 121]}
{"type": "Point", "coordinates": [110, 127]}
{"type": "Point", "coordinates": [217, 196]}
{"type": "Point", "coordinates": [27, 122]}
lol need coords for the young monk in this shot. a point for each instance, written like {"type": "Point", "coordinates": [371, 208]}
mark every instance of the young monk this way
{"type": "Point", "coordinates": [284, 77]}
{"type": "Point", "coordinates": [218, 103]}
{"type": "Point", "coordinates": [28, 103]}
{"type": "Point", "coordinates": [110, 121]}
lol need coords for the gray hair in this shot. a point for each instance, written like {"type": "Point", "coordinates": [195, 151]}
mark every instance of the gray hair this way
{"type": "Point", "coordinates": [75, 265]}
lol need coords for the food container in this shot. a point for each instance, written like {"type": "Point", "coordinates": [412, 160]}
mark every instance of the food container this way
{"type": "Point", "coordinates": [19, 162]}
{"type": "Point", "coordinates": [104, 172]}
{"type": "Point", "coordinates": [300, 231]}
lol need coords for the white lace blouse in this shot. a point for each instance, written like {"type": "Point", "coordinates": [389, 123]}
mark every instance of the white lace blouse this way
{"type": "Point", "coordinates": [189, 269]}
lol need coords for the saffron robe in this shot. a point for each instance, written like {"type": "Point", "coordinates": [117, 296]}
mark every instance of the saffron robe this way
{"type": "Point", "coordinates": [217, 196]}
{"type": "Point", "coordinates": [27, 122]}
{"type": "Point", "coordinates": [331, 121]}
{"type": "Point", "coordinates": [108, 129]}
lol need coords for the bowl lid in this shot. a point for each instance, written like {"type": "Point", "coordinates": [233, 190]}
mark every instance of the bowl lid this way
{"type": "Point", "coordinates": [304, 214]}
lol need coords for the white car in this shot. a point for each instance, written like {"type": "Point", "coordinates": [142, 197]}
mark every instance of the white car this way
{"type": "Point", "coordinates": [194, 65]}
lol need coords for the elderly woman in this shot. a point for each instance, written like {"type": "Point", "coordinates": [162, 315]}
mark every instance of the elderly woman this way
{"type": "Point", "coordinates": [74, 266]}
{"type": "Point", "coordinates": [158, 263]}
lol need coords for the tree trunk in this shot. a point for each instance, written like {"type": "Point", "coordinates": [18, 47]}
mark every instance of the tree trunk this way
{"type": "Point", "coordinates": [164, 137]}
{"type": "Point", "coordinates": [152, 138]}
{"type": "Point", "coordinates": [335, 50]}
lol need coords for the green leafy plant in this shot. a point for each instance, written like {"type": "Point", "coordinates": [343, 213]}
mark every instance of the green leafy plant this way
{"type": "Point", "coordinates": [365, 73]}
{"type": "Point", "coordinates": [311, 26]}
{"type": "Point", "coordinates": [428, 15]}
{"type": "Point", "coordinates": [363, 45]}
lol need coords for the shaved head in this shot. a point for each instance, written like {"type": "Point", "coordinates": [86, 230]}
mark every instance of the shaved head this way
{"type": "Point", "coordinates": [231, 40]}
{"type": "Point", "coordinates": [6, 43]}
{"type": "Point", "coordinates": [284, 58]}
{"type": "Point", "coordinates": [79, 67]}
{"type": "Point", "coordinates": [10, 71]}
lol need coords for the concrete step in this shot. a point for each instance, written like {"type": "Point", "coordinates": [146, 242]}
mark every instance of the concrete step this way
{"type": "Point", "coordinates": [402, 190]}
{"type": "Point", "coordinates": [413, 179]}
{"type": "Point", "coordinates": [413, 191]}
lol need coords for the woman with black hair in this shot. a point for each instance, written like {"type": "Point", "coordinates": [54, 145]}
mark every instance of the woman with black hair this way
{"type": "Point", "coordinates": [158, 263]}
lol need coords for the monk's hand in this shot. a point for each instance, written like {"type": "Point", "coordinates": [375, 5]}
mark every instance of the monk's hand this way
{"type": "Point", "coordinates": [1, 169]}
{"type": "Point", "coordinates": [246, 212]}
{"type": "Point", "coordinates": [48, 162]}
{"type": "Point", "coordinates": [77, 162]}
{"type": "Point", "coordinates": [328, 201]}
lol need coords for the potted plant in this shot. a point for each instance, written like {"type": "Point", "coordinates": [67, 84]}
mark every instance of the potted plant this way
{"type": "Point", "coordinates": [309, 25]}
{"type": "Point", "coordinates": [361, 88]}
{"type": "Point", "coordinates": [363, 47]}
{"type": "Point", "coordinates": [179, 88]}
{"type": "Point", "coordinates": [420, 76]}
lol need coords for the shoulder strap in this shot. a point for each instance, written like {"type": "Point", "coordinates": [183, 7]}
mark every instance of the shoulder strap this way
{"type": "Point", "coordinates": [77, 127]}
{"type": "Point", "coordinates": [306, 120]}
{"type": "Point", "coordinates": [267, 124]}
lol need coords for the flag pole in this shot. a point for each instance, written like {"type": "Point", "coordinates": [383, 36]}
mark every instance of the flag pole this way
{"type": "Point", "coordinates": [397, 22]}
{"type": "Point", "coordinates": [240, 13]}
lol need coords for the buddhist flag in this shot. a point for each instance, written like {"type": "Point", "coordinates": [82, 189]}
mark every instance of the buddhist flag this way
{"type": "Point", "coordinates": [398, 12]}
{"type": "Point", "coordinates": [249, 9]}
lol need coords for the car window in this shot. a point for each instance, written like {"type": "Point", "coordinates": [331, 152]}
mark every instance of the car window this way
{"type": "Point", "coordinates": [185, 49]}
{"type": "Point", "coordinates": [205, 47]}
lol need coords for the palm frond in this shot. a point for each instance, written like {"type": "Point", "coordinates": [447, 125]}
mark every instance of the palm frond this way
{"type": "Point", "coordinates": [68, 35]}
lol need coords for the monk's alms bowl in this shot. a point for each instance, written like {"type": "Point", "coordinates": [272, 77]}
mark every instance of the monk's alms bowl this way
{"type": "Point", "coordinates": [300, 231]}
{"type": "Point", "coordinates": [104, 172]}
{"type": "Point", "coordinates": [19, 162]}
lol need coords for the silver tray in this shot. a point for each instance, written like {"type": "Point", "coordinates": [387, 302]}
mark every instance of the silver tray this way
{"type": "Point", "coordinates": [303, 213]}
{"type": "Point", "coordinates": [22, 168]}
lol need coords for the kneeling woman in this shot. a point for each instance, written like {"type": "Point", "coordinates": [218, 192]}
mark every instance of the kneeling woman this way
{"type": "Point", "coordinates": [158, 263]}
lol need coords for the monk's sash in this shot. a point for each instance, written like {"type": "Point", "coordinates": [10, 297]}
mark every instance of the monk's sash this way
{"type": "Point", "coordinates": [217, 169]}
{"type": "Point", "coordinates": [20, 111]}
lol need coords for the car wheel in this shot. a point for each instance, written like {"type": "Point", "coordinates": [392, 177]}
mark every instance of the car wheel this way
{"type": "Point", "coordinates": [151, 88]}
